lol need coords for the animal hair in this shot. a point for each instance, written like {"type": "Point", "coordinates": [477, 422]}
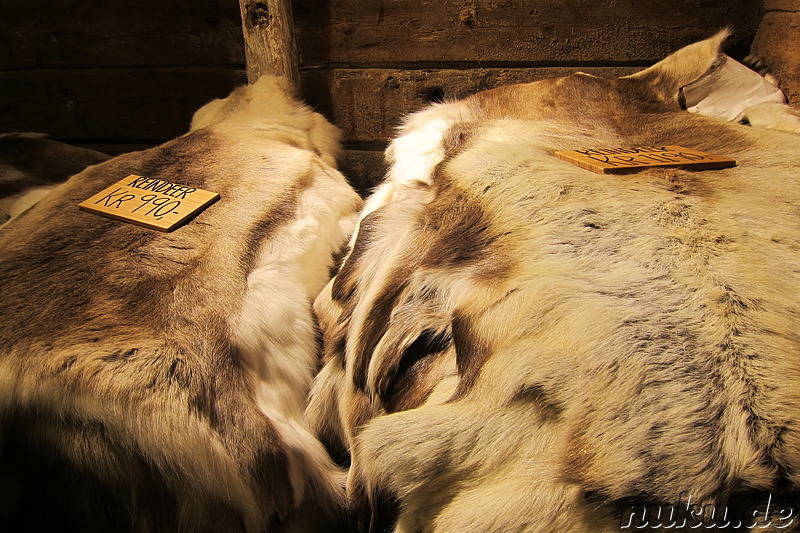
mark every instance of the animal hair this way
{"type": "Point", "coordinates": [156, 381]}
{"type": "Point", "coordinates": [514, 343]}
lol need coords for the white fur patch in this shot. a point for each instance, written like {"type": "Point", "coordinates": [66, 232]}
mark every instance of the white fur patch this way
{"type": "Point", "coordinates": [773, 116]}
{"type": "Point", "coordinates": [416, 152]}
{"type": "Point", "coordinates": [634, 342]}
{"type": "Point", "coordinates": [275, 330]}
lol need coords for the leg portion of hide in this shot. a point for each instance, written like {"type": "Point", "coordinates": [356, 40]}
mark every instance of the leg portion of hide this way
{"type": "Point", "coordinates": [444, 485]}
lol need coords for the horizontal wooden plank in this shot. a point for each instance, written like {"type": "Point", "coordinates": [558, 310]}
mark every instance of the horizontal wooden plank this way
{"type": "Point", "coordinates": [368, 104]}
{"type": "Point", "coordinates": [72, 33]}
{"type": "Point", "coordinates": [358, 32]}
{"type": "Point", "coordinates": [110, 104]}
{"type": "Point", "coordinates": [122, 105]}
{"type": "Point", "coordinates": [778, 44]}
{"type": "Point", "coordinates": [76, 33]}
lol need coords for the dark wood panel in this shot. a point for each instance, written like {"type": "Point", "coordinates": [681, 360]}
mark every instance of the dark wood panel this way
{"type": "Point", "coordinates": [540, 31]}
{"type": "Point", "coordinates": [74, 33]}
{"type": "Point", "coordinates": [368, 104]}
{"type": "Point", "coordinates": [157, 104]}
{"type": "Point", "coordinates": [110, 104]}
{"type": "Point", "coordinates": [80, 33]}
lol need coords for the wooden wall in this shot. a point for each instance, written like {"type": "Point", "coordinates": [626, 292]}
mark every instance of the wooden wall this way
{"type": "Point", "coordinates": [119, 73]}
{"type": "Point", "coordinates": [126, 74]}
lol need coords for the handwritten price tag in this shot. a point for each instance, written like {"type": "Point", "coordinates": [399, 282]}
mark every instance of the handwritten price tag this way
{"type": "Point", "coordinates": [149, 202]}
{"type": "Point", "coordinates": [621, 160]}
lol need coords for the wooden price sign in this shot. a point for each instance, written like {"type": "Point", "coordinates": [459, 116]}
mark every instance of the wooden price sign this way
{"type": "Point", "coordinates": [149, 202]}
{"type": "Point", "coordinates": [620, 160]}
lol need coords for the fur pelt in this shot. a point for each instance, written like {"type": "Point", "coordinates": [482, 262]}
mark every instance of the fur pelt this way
{"type": "Point", "coordinates": [514, 343]}
{"type": "Point", "coordinates": [156, 381]}
{"type": "Point", "coordinates": [32, 165]}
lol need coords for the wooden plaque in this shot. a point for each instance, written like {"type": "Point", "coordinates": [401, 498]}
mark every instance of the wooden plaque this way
{"type": "Point", "coordinates": [621, 160]}
{"type": "Point", "coordinates": [149, 202]}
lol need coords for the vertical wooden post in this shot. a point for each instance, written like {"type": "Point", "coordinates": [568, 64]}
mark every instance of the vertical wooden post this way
{"type": "Point", "coordinates": [269, 42]}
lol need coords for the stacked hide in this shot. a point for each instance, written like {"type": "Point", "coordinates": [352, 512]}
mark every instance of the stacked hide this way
{"type": "Point", "coordinates": [156, 381]}
{"type": "Point", "coordinates": [514, 343]}
{"type": "Point", "coordinates": [32, 165]}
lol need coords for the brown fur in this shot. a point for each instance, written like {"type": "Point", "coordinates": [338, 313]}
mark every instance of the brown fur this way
{"type": "Point", "coordinates": [130, 360]}
{"type": "Point", "coordinates": [608, 340]}
{"type": "Point", "coordinates": [31, 165]}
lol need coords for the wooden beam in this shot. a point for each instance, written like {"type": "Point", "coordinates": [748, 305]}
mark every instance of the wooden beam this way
{"type": "Point", "coordinates": [269, 40]}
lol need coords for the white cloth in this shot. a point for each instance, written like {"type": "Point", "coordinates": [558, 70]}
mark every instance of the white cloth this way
{"type": "Point", "coordinates": [727, 89]}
